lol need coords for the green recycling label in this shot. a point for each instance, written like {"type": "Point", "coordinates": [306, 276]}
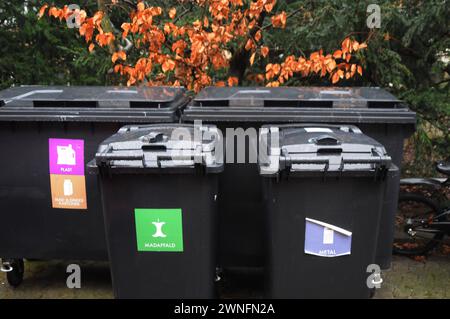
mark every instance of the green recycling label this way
{"type": "Point", "coordinates": [159, 229]}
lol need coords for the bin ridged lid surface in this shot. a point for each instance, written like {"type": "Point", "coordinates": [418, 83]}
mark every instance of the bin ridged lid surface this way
{"type": "Point", "coordinates": [92, 103]}
{"type": "Point", "coordinates": [299, 104]}
{"type": "Point", "coordinates": [295, 97]}
{"type": "Point", "coordinates": [160, 147]}
{"type": "Point", "coordinates": [319, 148]}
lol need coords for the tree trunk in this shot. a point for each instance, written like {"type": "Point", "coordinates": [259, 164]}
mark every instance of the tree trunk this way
{"type": "Point", "coordinates": [240, 59]}
{"type": "Point", "coordinates": [106, 23]}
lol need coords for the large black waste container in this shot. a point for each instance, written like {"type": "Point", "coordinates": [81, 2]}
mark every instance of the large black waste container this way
{"type": "Point", "coordinates": [324, 188]}
{"type": "Point", "coordinates": [375, 111]}
{"type": "Point", "coordinates": [159, 190]}
{"type": "Point", "coordinates": [49, 207]}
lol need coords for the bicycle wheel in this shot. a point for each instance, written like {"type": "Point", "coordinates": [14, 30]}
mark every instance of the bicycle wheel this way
{"type": "Point", "coordinates": [412, 233]}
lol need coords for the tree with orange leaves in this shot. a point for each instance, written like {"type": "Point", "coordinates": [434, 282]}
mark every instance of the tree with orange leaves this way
{"type": "Point", "coordinates": [220, 46]}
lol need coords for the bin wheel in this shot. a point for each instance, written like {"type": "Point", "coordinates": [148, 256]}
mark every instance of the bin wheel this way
{"type": "Point", "coordinates": [372, 293]}
{"type": "Point", "coordinates": [15, 276]}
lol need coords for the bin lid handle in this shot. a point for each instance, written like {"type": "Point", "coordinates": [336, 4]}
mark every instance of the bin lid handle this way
{"type": "Point", "coordinates": [287, 162]}
{"type": "Point", "coordinates": [154, 137]}
{"type": "Point", "coordinates": [326, 140]}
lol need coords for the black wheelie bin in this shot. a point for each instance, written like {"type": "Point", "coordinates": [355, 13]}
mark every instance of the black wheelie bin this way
{"type": "Point", "coordinates": [375, 111]}
{"type": "Point", "coordinates": [49, 207]}
{"type": "Point", "coordinates": [323, 189]}
{"type": "Point", "coordinates": [159, 187]}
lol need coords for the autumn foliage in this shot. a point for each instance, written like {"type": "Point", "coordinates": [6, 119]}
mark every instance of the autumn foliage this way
{"type": "Point", "coordinates": [191, 54]}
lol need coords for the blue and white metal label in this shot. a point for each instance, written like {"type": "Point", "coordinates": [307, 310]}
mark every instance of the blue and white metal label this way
{"type": "Point", "coordinates": [326, 240]}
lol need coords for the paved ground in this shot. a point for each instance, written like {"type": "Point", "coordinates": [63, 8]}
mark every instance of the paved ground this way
{"type": "Point", "coordinates": [412, 279]}
{"type": "Point", "coordinates": [48, 280]}
{"type": "Point", "coordinates": [407, 279]}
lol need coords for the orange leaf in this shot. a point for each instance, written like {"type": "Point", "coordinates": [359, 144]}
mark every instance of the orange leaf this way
{"type": "Point", "coordinates": [252, 58]}
{"type": "Point", "coordinates": [91, 47]}
{"type": "Point", "coordinates": [276, 69]}
{"type": "Point", "coordinates": [331, 65]}
{"type": "Point", "coordinates": [269, 5]}
{"type": "Point", "coordinates": [220, 84]}
{"type": "Point", "coordinates": [131, 81]}
{"type": "Point", "coordinates": [273, 84]}
{"type": "Point", "coordinates": [337, 54]}
{"type": "Point", "coordinates": [360, 70]}
{"type": "Point", "coordinates": [279, 21]}
{"type": "Point", "coordinates": [168, 65]}
{"type": "Point", "coordinates": [54, 12]}
{"type": "Point", "coordinates": [258, 36]}
{"type": "Point", "coordinates": [118, 68]}
{"type": "Point", "coordinates": [353, 69]}
{"type": "Point", "coordinates": [249, 45]}
{"type": "Point", "coordinates": [314, 56]}
{"type": "Point", "coordinates": [118, 55]}
{"type": "Point", "coordinates": [233, 81]}
{"type": "Point", "coordinates": [346, 44]}
{"type": "Point", "coordinates": [42, 10]}
{"type": "Point", "coordinates": [167, 28]}
{"type": "Point", "coordinates": [126, 28]}
{"type": "Point", "coordinates": [348, 57]}
{"type": "Point", "coordinates": [172, 13]}
{"type": "Point", "coordinates": [104, 38]}
{"type": "Point", "coordinates": [363, 46]}
{"type": "Point", "coordinates": [141, 6]}
{"type": "Point", "coordinates": [335, 78]}
{"type": "Point", "coordinates": [264, 51]}
{"type": "Point", "coordinates": [97, 18]}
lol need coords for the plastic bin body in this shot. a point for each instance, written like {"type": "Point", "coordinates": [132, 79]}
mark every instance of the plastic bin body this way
{"type": "Point", "coordinates": [193, 190]}
{"type": "Point", "coordinates": [30, 116]}
{"type": "Point", "coordinates": [308, 181]}
{"type": "Point", "coordinates": [31, 228]}
{"type": "Point", "coordinates": [351, 203]}
{"type": "Point", "coordinates": [240, 206]}
{"type": "Point", "coordinates": [387, 219]}
{"type": "Point", "coordinates": [375, 111]}
{"type": "Point", "coordinates": [189, 274]}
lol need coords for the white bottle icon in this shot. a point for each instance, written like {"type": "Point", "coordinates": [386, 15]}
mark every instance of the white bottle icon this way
{"type": "Point", "coordinates": [66, 155]}
{"type": "Point", "coordinates": [68, 187]}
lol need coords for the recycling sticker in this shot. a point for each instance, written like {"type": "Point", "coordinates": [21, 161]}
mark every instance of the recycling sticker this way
{"type": "Point", "coordinates": [67, 179]}
{"type": "Point", "coordinates": [326, 240]}
{"type": "Point", "coordinates": [159, 229]}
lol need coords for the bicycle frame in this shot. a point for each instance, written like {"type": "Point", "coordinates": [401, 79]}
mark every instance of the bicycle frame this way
{"type": "Point", "coordinates": [443, 226]}
{"type": "Point", "coordinates": [436, 184]}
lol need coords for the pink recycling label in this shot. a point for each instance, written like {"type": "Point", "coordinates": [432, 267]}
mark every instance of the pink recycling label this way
{"type": "Point", "coordinates": [66, 156]}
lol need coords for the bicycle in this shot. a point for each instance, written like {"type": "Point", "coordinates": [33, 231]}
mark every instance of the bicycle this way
{"type": "Point", "coordinates": [423, 216]}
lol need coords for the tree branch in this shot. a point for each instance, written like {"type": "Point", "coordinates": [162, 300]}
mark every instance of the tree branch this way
{"type": "Point", "coordinates": [106, 23]}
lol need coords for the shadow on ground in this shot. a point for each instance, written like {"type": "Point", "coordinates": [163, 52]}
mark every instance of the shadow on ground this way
{"type": "Point", "coordinates": [406, 279]}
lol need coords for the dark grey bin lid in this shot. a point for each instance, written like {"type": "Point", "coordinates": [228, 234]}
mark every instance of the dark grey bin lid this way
{"type": "Point", "coordinates": [319, 148]}
{"type": "Point", "coordinates": [299, 104]}
{"type": "Point", "coordinates": [296, 96]}
{"type": "Point", "coordinates": [91, 103]}
{"type": "Point", "coordinates": [149, 147]}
